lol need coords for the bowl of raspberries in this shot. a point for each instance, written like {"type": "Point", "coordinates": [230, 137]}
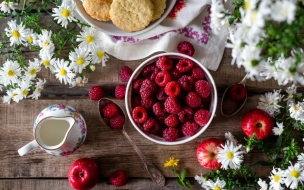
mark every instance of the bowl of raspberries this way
{"type": "Point", "coordinates": [171, 98]}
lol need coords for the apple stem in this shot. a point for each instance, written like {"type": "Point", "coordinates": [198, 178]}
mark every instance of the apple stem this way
{"type": "Point", "coordinates": [81, 174]}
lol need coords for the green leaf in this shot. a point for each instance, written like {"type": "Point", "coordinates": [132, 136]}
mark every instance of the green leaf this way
{"type": "Point", "coordinates": [181, 183]}
{"type": "Point", "coordinates": [59, 2]}
{"type": "Point", "coordinates": [183, 173]}
{"type": "Point", "coordinates": [30, 7]}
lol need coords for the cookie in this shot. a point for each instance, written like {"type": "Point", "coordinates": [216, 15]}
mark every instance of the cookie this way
{"type": "Point", "coordinates": [98, 9]}
{"type": "Point", "coordinates": [159, 8]}
{"type": "Point", "coordinates": [131, 15]}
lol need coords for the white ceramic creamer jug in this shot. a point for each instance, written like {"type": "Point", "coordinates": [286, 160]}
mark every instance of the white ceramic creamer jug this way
{"type": "Point", "coordinates": [59, 130]}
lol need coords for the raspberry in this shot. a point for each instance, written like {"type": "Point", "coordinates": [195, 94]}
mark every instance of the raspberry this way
{"type": "Point", "coordinates": [185, 114]}
{"type": "Point", "coordinates": [119, 178]}
{"type": "Point", "coordinates": [125, 74]}
{"type": "Point", "coordinates": [184, 65]}
{"type": "Point", "coordinates": [162, 78]}
{"type": "Point", "coordinates": [186, 82]}
{"type": "Point", "coordinates": [172, 89]}
{"type": "Point", "coordinates": [189, 128]}
{"type": "Point", "coordinates": [117, 122]}
{"type": "Point", "coordinates": [164, 63]}
{"type": "Point", "coordinates": [95, 93]}
{"type": "Point", "coordinates": [170, 134]}
{"type": "Point", "coordinates": [202, 87]}
{"type": "Point", "coordinates": [135, 101]}
{"type": "Point", "coordinates": [136, 84]}
{"type": "Point", "coordinates": [161, 95]}
{"type": "Point", "coordinates": [120, 91]}
{"type": "Point", "coordinates": [147, 103]}
{"type": "Point", "coordinates": [175, 74]}
{"type": "Point", "coordinates": [151, 126]}
{"type": "Point", "coordinates": [171, 120]}
{"type": "Point", "coordinates": [201, 117]}
{"type": "Point", "coordinates": [159, 109]}
{"type": "Point", "coordinates": [238, 92]}
{"type": "Point", "coordinates": [109, 110]}
{"type": "Point", "coordinates": [198, 73]}
{"type": "Point", "coordinates": [147, 89]}
{"type": "Point", "coordinates": [172, 105]}
{"type": "Point", "coordinates": [139, 114]}
{"type": "Point", "coordinates": [150, 72]}
{"type": "Point", "coordinates": [193, 100]}
{"type": "Point", "coordinates": [185, 48]}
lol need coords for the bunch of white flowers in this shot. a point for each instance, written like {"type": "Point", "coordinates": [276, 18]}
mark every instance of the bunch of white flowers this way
{"type": "Point", "coordinates": [20, 78]}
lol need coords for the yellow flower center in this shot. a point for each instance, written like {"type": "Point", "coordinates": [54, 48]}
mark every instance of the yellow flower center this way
{"type": "Point", "coordinates": [65, 13]}
{"type": "Point", "coordinates": [30, 39]}
{"type": "Point", "coordinates": [45, 44]}
{"type": "Point", "coordinates": [39, 89]}
{"type": "Point", "coordinates": [46, 63]}
{"type": "Point", "coordinates": [276, 178]}
{"type": "Point", "coordinates": [33, 71]}
{"type": "Point", "coordinates": [11, 73]}
{"type": "Point", "coordinates": [100, 54]}
{"type": "Point", "coordinates": [14, 94]}
{"type": "Point", "coordinates": [25, 92]}
{"type": "Point", "coordinates": [295, 173]}
{"type": "Point", "coordinates": [217, 188]}
{"type": "Point", "coordinates": [230, 155]}
{"type": "Point", "coordinates": [62, 72]}
{"type": "Point", "coordinates": [89, 39]}
{"type": "Point", "coordinates": [253, 16]}
{"type": "Point", "coordinates": [296, 108]}
{"type": "Point", "coordinates": [16, 34]}
{"type": "Point", "coordinates": [80, 61]}
{"type": "Point", "coordinates": [247, 5]}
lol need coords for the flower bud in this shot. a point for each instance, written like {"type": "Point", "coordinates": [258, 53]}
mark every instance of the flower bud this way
{"type": "Point", "coordinates": [92, 67]}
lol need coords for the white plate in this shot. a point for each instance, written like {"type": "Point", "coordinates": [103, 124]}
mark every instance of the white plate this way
{"type": "Point", "coordinates": [111, 29]}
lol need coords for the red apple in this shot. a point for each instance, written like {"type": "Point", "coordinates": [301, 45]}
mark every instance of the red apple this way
{"type": "Point", "coordinates": [207, 151]}
{"type": "Point", "coordinates": [83, 174]}
{"type": "Point", "coordinates": [259, 122]}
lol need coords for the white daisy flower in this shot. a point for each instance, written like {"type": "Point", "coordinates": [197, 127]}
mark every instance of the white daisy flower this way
{"type": "Point", "coordinates": [79, 81]}
{"type": "Point", "coordinates": [65, 13]}
{"type": "Point", "coordinates": [201, 180]}
{"type": "Point", "coordinates": [47, 60]}
{"type": "Point", "coordinates": [16, 33]}
{"type": "Point", "coordinates": [283, 11]}
{"type": "Point", "coordinates": [10, 72]}
{"type": "Point", "coordinates": [268, 70]}
{"type": "Point", "coordinates": [249, 5]}
{"type": "Point", "coordinates": [269, 102]}
{"type": "Point", "coordinates": [294, 175]}
{"type": "Point", "coordinates": [22, 91]}
{"type": "Point", "coordinates": [38, 88]}
{"type": "Point", "coordinates": [301, 159]}
{"type": "Point", "coordinates": [230, 155]}
{"type": "Point", "coordinates": [230, 137]}
{"type": "Point", "coordinates": [218, 185]}
{"type": "Point", "coordinates": [297, 111]}
{"type": "Point", "coordinates": [279, 129]}
{"type": "Point", "coordinates": [99, 56]}
{"type": "Point", "coordinates": [236, 45]}
{"type": "Point", "coordinates": [63, 71]}
{"type": "Point", "coordinates": [217, 15]}
{"type": "Point", "coordinates": [44, 41]}
{"type": "Point", "coordinates": [32, 70]}
{"type": "Point", "coordinates": [291, 91]}
{"type": "Point", "coordinates": [276, 179]}
{"type": "Point", "coordinates": [31, 37]}
{"type": "Point", "coordinates": [80, 59]}
{"type": "Point", "coordinates": [7, 7]}
{"type": "Point", "coordinates": [8, 97]}
{"type": "Point", "coordinates": [262, 184]}
{"type": "Point", "coordinates": [89, 38]}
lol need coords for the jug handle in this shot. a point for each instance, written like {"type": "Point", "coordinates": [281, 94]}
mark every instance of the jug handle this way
{"type": "Point", "coordinates": [28, 147]}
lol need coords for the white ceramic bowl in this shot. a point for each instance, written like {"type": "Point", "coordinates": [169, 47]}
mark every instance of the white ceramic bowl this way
{"type": "Point", "coordinates": [111, 29]}
{"type": "Point", "coordinates": [157, 139]}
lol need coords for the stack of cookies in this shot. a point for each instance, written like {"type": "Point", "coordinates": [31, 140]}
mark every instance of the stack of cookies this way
{"type": "Point", "coordinates": [128, 15]}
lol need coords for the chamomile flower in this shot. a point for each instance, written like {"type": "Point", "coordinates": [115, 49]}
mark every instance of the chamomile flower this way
{"type": "Point", "coordinates": [10, 72]}
{"type": "Point", "coordinates": [47, 60]}
{"type": "Point", "coordinates": [171, 162]}
{"type": "Point", "coordinates": [65, 13]}
{"type": "Point", "coordinates": [283, 11]}
{"type": "Point", "coordinates": [276, 179]}
{"type": "Point", "coordinates": [236, 45]}
{"type": "Point", "coordinates": [217, 185]}
{"type": "Point", "coordinates": [22, 91]}
{"type": "Point", "coordinates": [80, 59]}
{"type": "Point", "coordinates": [297, 111]}
{"type": "Point", "coordinates": [217, 15]}
{"type": "Point", "coordinates": [31, 37]}
{"type": "Point", "coordinates": [63, 71]}
{"type": "Point", "coordinates": [230, 156]}
{"type": "Point", "coordinates": [291, 91]}
{"type": "Point", "coordinates": [32, 70]}
{"type": "Point", "coordinates": [44, 41]}
{"type": "Point", "coordinates": [16, 33]}
{"type": "Point", "coordinates": [250, 5]}
{"type": "Point", "coordinates": [301, 159]}
{"type": "Point", "coordinates": [201, 180]}
{"type": "Point", "coordinates": [99, 56]}
{"type": "Point", "coordinates": [262, 184]}
{"type": "Point", "coordinates": [8, 97]}
{"type": "Point", "coordinates": [89, 38]}
{"type": "Point", "coordinates": [294, 174]}
{"type": "Point", "coordinates": [279, 129]}
{"type": "Point", "coordinates": [79, 81]}
{"type": "Point", "coordinates": [7, 7]}
{"type": "Point", "coordinates": [38, 88]}
{"type": "Point", "coordinates": [270, 102]}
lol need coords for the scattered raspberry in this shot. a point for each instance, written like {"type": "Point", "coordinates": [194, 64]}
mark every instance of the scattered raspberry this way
{"type": "Point", "coordinates": [164, 63]}
{"type": "Point", "coordinates": [119, 178]}
{"type": "Point", "coordinates": [238, 92]}
{"type": "Point", "coordinates": [139, 114]}
{"type": "Point", "coordinates": [201, 117]}
{"type": "Point", "coordinates": [135, 101]}
{"type": "Point", "coordinates": [161, 95]}
{"type": "Point", "coordinates": [159, 109]}
{"type": "Point", "coordinates": [186, 114]}
{"type": "Point", "coordinates": [185, 48]}
{"type": "Point", "coordinates": [171, 120]}
{"type": "Point", "coordinates": [189, 128]}
{"type": "Point", "coordinates": [147, 89]}
{"type": "Point", "coordinates": [136, 84]}
{"type": "Point", "coordinates": [186, 82]}
{"type": "Point", "coordinates": [175, 74]}
{"type": "Point", "coordinates": [170, 134]}
{"type": "Point", "coordinates": [147, 103]}
{"type": "Point", "coordinates": [193, 100]}
{"type": "Point", "coordinates": [109, 110]}
{"type": "Point", "coordinates": [172, 89]}
{"type": "Point", "coordinates": [120, 91]}
{"type": "Point", "coordinates": [202, 87]}
{"type": "Point", "coordinates": [184, 65]}
{"type": "Point", "coordinates": [162, 78]}
{"type": "Point", "coordinates": [151, 126]}
{"type": "Point", "coordinates": [172, 105]}
{"type": "Point", "coordinates": [117, 122]}
{"type": "Point", "coordinates": [125, 74]}
{"type": "Point", "coordinates": [95, 93]}
{"type": "Point", "coordinates": [150, 72]}
{"type": "Point", "coordinates": [198, 73]}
